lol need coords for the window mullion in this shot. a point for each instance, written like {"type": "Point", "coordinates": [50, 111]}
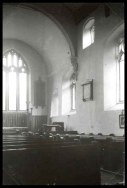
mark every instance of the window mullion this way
{"type": "Point", "coordinates": [119, 81]}
{"type": "Point", "coordinates": [73, 96]}
{"type": "Point", "coordinates": [7, 91]}
{"type": "Point", "coordinates": [27, 92]}
{"type": "Point", "coordinates": [120, 84]}
{"type": "Point", "coordinates": [17, 91]}
{"type": "Point", "coordinates": [120, 69]}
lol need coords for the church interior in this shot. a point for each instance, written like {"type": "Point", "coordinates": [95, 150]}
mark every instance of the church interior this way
{"type": "Point", "coordinates": [63, 94]}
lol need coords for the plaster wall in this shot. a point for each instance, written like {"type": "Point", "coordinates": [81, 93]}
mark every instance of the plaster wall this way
{"type": "Point", "coordinates": [90, 116]}
{"type": "Point", "coordinates": [40, 32]}
{"type": "Point", "coordinates": [63, 18]}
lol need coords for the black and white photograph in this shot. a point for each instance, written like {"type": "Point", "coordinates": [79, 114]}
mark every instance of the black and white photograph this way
{"type": "Point", "coordinates": [63, 85]}
{"type": "Point", "coordinates": [122, 121]}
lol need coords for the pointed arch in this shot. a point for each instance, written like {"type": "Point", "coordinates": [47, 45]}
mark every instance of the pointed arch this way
{"type": "Point", "coordinates": [15, 82]}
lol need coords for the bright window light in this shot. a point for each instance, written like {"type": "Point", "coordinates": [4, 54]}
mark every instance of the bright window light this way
{"type": "Point", "coordinates": [88, 33]}
{"type": "Point", "coordinates": [4, 61]}
{"type": "Point", "coordinates": [73, 97]}
{"type": "Point", "coordinates": [121, 80]}
{"type": "Point", "coordinates": [15, 60]}
{"type": "Point", "coordinates": [120, 71]}
{"type": "Point", "coordinates": [15, 86]}
{"type": "Point", "coordinates": [22, 91]}
{"type": "Point", "coordinates": [20, 62]}
{"type": "Point", "coordinates": [86, 39]}
{"type": "Point", "coordinates": [3, 90]}
{"type": "Point", "coordinates": [12, 91]}
{"type": "Point", "coordinates": [9, 59]}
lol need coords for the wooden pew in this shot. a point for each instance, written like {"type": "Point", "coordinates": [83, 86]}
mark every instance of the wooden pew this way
{"type": "Point", "coordinates": [110, 149]}
{"type": "Point", "coordinates": [53, 164]}
{"type": "Point", "coordinates": [113, 155]}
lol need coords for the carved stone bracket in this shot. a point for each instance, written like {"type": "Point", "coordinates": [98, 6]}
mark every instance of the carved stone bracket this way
{"type": "Point", "coordinates": [75, 69]}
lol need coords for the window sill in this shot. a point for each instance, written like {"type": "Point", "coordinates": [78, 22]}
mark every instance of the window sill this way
{"type": "Point", "coordinates": [87, 46]}
{"type": "Point", "coordinates": [72, 112]}
{"type": "Point", "coordinates": [115, 107]}
{"type": "Point", "coordinates": [14, 112]}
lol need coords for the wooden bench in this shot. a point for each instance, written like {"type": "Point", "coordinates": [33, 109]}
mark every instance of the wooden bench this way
{"type": "Point", "coordinates": [52, 164]}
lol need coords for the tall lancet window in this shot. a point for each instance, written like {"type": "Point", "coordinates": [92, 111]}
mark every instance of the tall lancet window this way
{"type": "Point", "coordinates": [15, 82]}
{"type": "Point", "coordinates": [120, 70]}
{"type": "Point", "coordinates": [88, 33]}
{"type": "Point", "coordinates": [73, 96]}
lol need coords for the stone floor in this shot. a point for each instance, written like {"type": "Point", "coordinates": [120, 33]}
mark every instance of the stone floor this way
{"type": "Point", "coordinates": [108, 178]}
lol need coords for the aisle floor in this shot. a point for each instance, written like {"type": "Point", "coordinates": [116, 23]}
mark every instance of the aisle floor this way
{"type": "Point", "coordinates": [108, 178]}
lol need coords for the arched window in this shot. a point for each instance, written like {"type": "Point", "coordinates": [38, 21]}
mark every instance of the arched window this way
{"type": "Point", "coordinates": [120, 69]}
{"type": "Point", "coordinates": [114, 70]}
{"type": "Point", "coordinates": [88, 33]}
{"type": "Point", "coordinates": [73, 96]}
{"type": "Point", "coordinates": [15, 82]}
